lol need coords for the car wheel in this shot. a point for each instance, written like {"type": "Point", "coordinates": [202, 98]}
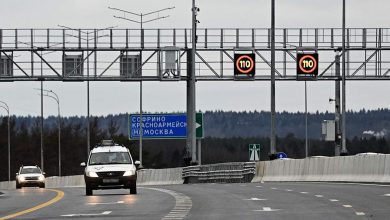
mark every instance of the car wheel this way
{"type": "Point", "coordinates": [18, 186]}
{"type": "Point", "coordinates": [133, 187]}
{"type": "Point", "coordinates": [42, 185]}
{"type": "Point", "coordinates": [88, 191]}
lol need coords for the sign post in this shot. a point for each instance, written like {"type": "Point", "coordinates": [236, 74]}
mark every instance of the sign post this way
{"type": "Point", "coordinates": [254, 152]}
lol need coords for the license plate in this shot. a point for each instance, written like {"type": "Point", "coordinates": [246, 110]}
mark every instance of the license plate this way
{"type": "Point", "coordinates": [110, 180]}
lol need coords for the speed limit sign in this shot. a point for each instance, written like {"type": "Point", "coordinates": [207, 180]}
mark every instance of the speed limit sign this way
{"type": "Point", "coordinates": [244, 66]}
{"type": "Point", "coordinates": [307, 65]}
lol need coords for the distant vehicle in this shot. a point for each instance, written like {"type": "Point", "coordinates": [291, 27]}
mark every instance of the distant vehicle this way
{"type": "Point", "coordinates": [30, 176]}
{"type": "Point", "coordinates": [110, 166]}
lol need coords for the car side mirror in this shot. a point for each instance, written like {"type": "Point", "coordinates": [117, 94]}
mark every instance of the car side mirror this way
{"type": "Point", "coordinates": [82, 164]}
{"type": "Point", "coordinates": [137, 163]}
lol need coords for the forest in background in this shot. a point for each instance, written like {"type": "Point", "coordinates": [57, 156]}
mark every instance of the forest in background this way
{"type": "Point", "coordinates": [228, 135]}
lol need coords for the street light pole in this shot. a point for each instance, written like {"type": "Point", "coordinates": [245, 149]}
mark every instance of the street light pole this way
{"type": "Point", "coordinates": [9, 140]}
{"type": "Point", "coordinates": [343, 124]}
{"type": "Point", "coordinates": [141, 22]}
{"type": "Point", "coordinates": [306, 141]}
{"type": "Point", "coordinates": [88, 109]}
{"type": "Point", "coordinates": [273, 132]}
{"type": "Point", "coordinates": [55, 98]}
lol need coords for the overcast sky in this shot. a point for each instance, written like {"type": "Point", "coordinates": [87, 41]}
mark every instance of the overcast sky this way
{"type": "Point", "coordinates": [117, 97]}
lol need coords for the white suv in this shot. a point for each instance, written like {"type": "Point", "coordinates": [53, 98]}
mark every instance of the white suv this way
{"type": "Point", "coordinates": [30, 176]}
{"type": "Point", "coordinates": [110, 166]}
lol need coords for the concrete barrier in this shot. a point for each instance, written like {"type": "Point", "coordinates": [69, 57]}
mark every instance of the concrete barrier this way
{"type": "Point", "coordinates": [364, 168]}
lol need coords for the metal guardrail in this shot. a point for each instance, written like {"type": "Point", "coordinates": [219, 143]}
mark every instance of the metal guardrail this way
{"type": "Point", "coordinates": [220, 173]}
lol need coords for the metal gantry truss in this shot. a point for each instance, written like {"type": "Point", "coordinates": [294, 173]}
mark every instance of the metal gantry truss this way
{"type": "Point", "coordinates": [39, 54]}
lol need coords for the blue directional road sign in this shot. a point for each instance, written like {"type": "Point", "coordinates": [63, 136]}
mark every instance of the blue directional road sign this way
{"type": "Point", "coordinates": [161, 126]}
{"type": "Point", "coordinates": [281, 155]}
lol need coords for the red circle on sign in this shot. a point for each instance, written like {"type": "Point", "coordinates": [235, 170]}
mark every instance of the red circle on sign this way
{"type": "Point", "coordinates": [250, 60]}
{"type": "Point", "coordinates": [314, 64]}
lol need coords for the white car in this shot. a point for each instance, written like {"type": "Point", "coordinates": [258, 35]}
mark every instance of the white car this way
{"type": "Point", "coordinates": [30, 176]}
{"type": "Point", "coordinates": [110, 166]}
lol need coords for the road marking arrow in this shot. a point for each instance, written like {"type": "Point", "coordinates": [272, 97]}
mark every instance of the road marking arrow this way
{"type": "Point", "coordinates": [93, 214]}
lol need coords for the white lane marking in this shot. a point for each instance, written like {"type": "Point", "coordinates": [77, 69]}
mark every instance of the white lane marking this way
{"type": "Point", "coordinates": [256, 199]}
{"type": "Point", "coordinates": [259, 186]}
{"type": "Point", "coordinates": [304, 192]}
{"type": "Point", "coordinates": [242, 185]}
{"type": "Point", "coordinates": [93, 214]}
{"type": "Point", "coordinates": [347, 206]}
{"type": "Point", "coordinates": [333, 200]}
{"type": "Point", "coordinates": [183, 204]}
{"type": "Point", "coordinates": [289, 190]}
{"type": "Point", "coordinates": [386, 195]}
{"type": "Point", "coordinates": [274, 188]}
{"type": "Point", "coordinates": [105, 203]}
{"type": "Point", "coordinates": [319, 196]}
{"type": "Point", "coordinates": [360, 213]}
{"type": "Point", "coordinates": [267, 209]}
{"type": "Point", "coordinates": [360, 184]}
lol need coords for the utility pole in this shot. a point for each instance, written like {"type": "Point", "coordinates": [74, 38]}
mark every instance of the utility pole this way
{"type": "Point", "coordinates": [141, 22]}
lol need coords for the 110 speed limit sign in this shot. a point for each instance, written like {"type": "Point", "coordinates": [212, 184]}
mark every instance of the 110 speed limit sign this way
{"type": "Point", "coordinates": [307, 65]}
{"type": "Point", "coordinates": [244, 66]}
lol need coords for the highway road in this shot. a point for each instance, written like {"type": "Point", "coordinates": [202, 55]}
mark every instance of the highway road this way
{"type": "Point", "coordinates": [203, 201]}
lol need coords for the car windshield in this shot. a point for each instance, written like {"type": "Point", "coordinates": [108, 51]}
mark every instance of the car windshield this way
{"type": "Point", "coordinates": [110, 158]}
{"type": "Point", "coordinates": [30, 170]}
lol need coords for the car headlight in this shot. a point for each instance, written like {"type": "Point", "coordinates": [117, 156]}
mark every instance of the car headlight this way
{"type": "Point", "coordinates": [22, 179]}
{"type": "Point", "coordinates": [129, 173]}
{"type": "Point", "coordinates": [41, 178]}
{"type": "Point", "coordinates": [92, 174]}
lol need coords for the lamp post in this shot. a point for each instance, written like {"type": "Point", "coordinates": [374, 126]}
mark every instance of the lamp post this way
{"type": "Point", "coordinates": [88, 109]}
{"type": "Point", "coordinates": [141, 22]}
{"type": "Point", "coordinates": [306, 140]}
{"type": "Point", "coordinates": [9, 140]}
{"type": "Point", "coordinates": [273, 132]}
{"type": "Point", "coordinates": [54, 96]}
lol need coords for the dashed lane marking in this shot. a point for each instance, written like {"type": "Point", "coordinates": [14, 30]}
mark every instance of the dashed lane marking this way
{"type": "Point", "coordinates": [256, 199]}
{"type": "Point", "coordinates": [259, 186]}
{"type": "Point", "coordinates": [360, 213]}
{"type": "Point", "coordinates": [319, 196]}
{"type": "Point", "coordinates": [274, 188]}
{"type": "Point", "coordinates": [266, 209]}
{"type": "Point", "coordinates": [333, 200]}
{"type": "Point", "coordinates": [304, 192]}
{"type": "Point", "coordinates": [386, 195]}
{"type": "Point", "coordinates": [289, 190]}
{"type": "Point", "coordinates": [58, 197]}
{"type": "Point", "coordinates": [105, 203]}
{"type": "Point", "coordinates": [347, 206]}
{"type": "Point", "coordinates": [182, 207]}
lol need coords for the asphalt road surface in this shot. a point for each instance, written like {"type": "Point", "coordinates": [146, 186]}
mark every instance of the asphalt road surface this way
{"type": "Point", "coordinates": [203, 201]}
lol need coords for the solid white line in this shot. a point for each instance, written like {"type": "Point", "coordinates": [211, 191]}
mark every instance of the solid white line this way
{"type": "Point", "coordinates": [347, 206]}
{"type": "Point", "coordinates": [333, 200]}
{"type": "Point", "coordinates": [360, 213]}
